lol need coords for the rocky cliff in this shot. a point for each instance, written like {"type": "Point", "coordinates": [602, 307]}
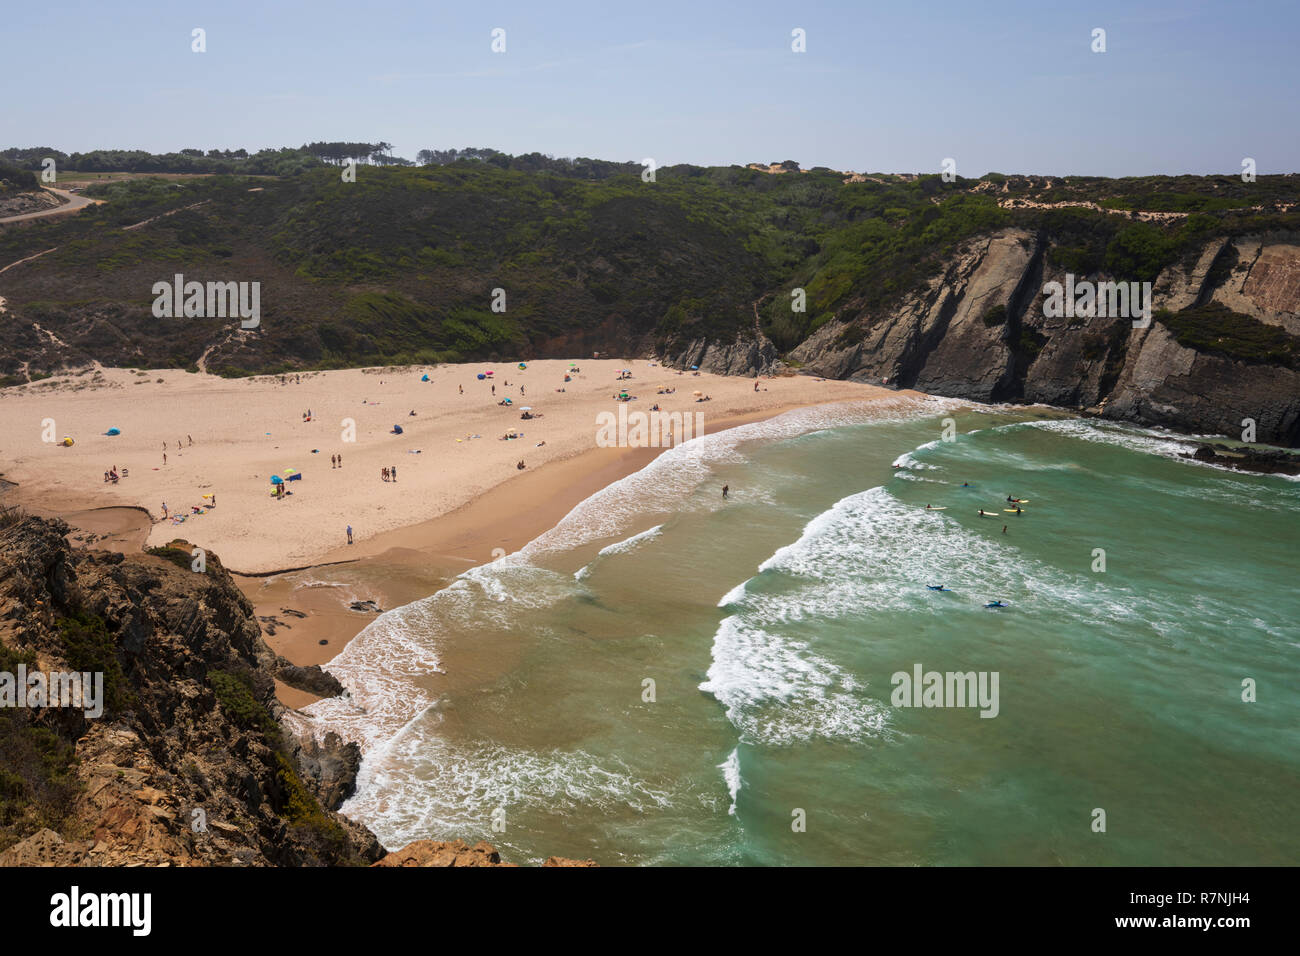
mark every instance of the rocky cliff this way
{"type": "Point", "coordinates": [187, 763]}
{"type": "Point", "coordinates": [1221, 345]}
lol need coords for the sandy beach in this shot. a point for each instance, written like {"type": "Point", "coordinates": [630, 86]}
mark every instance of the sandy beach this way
{"type": "Point", "coordinates": [459, 500]}
{"type": "Point", "coordinates": [243, 432]}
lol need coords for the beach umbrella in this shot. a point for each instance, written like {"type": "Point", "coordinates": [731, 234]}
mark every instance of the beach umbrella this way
{"type": "Point", "coordinates": [526, 408]}
{"type": "Point", "coordinates": [481, 376]}
{"type": "Point", "coordinates": [522, 366]}
{"type": "Point", "coordinates": [113, 431]}
{"type": "Point", "coordinates": [277, 480]}
{"type": "Point", "coordinates": [490, 372]}
{"type": "Point", "coordinates": [694, 368]}
{"type": "Point", "coordinates": [424, 378]}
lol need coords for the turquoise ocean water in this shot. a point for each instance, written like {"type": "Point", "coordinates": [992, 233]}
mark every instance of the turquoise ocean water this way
{"type": "Point", "coordinates": [670, 678]}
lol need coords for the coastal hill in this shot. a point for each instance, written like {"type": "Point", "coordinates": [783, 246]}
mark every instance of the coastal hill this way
{"type": "Point", "coordinates": [906, 280]}
{"type": "Point", "coordinates": [189, 763]}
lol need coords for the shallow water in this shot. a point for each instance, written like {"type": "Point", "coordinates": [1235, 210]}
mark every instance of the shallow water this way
{"type": "Point", "coordinates": [515, 705]}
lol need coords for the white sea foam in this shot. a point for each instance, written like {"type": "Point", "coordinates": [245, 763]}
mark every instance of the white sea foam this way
{"type": "Point", "coordinates": [421, 787]}
{"type": "Point", "coordinates": [667, 482]}
{"type": "Point", "coordinates": [731, 775]}
{"type": "Point", "coordinates": [778, 691]}
{"type": "Point", "coordinates": [630, 544]}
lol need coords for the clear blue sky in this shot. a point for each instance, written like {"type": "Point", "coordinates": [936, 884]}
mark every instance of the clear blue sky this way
{"type": "Point", "coordinates": [898, 86]}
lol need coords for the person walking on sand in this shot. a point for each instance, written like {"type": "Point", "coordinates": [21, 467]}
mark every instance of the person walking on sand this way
{"type": "Point", "coordinates": [494, 389]}
{"type": "Point", "coordinates": [340, 461]}
{"type": "Point", "coordinates": [349, 534]}
{"type": "Point", "coordinates": [393, 471]}
{"type": "Point", "coordinates": [164, 511]}
{"type": "Point", "coordinates": [191, 438]}
{"type": "Point", "coordinates": [164, 458]}
{"type": "Point", "coordinates": [462, 389]}
{"type": "Point", "coordinates": [725, 489]}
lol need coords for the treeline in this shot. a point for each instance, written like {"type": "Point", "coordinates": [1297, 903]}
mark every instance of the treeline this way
{"type": "Point", "coordinates": [377, 154]}
{"type": "Point", "coordinates": [15, 179]}
{"type": "Point", "coordinates": [581, 167]}
{"type": "Point", "coordinates": [267, 162]}
{"type": "Point", "coordinates": [288, 161]}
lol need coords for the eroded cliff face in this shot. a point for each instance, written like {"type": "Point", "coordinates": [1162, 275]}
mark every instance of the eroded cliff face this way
{"type": "Point", "coordinates": [980, 332]}
{"type": "Point", "coordinates": [187, 764]}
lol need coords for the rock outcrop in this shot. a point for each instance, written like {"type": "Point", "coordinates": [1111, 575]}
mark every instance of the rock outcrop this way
{"type": "Point", "coordinates": [979, 331]}
{"type": "Point", "coordinates": [188, 764]}
{"type": "Point", "coordinates": [459, 853]}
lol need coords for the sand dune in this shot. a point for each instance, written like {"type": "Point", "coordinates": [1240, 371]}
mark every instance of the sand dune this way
{"type": "Point", "coordinates": [245, 431]}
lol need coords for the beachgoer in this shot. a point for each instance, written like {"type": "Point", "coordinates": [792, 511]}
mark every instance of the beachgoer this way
{"type": "Point", "coordinates": [462, 389]}
{"type": "Point", "coordinates": [164, 509]}
{"type": "Point", "coordinates": [349, 534]}
{"type": "Point", "coordinates": [756, 385]}
{"type": "Point", "coordinates": [520, 466]}
{"type": "Point", "coordinates": [494, 389]}
{"type": "Point", "coordinates": [521, 390]}
{"type": "Point", "coordinates": [1004, 529]}
{"type": "Point", "coordinates": [393, 471]}
{"type": "Point", "coordinates": [164, 458]}
{"type": "Point", "coordinates": [191, 438]}
{"type": "Point", "coordinates": [340, 461]}
{"type": "Point", "coordinates": [725, 489]}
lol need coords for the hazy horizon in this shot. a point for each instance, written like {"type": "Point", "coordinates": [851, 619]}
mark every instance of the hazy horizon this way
{"type": "Point", "coordinates": [1009, 88]}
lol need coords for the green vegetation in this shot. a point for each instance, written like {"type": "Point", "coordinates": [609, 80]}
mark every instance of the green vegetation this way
{"type": "Point", "coordinates": [1218, 330]}
{"type": "Point", "coordinates": [234, 690]}
{"type": "Point", "coordinates": [87, 646]}
{"type": "Point", "coordinates": [38, 781]}
{"type": "Point", "coordinates": [400, 266]}
{"type": "Point", "coordinates": [14, 179]}
{"type": "Point", "coordinates": [177, 556]}
{"type": "Point", "coordinates": [996, 315]}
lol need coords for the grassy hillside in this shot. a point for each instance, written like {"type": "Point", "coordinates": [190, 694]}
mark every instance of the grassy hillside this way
{"type": "Point", "coordinates": [401, 265]}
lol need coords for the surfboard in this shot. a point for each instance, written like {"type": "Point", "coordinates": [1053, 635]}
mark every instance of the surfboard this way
{"type": "Point", "coordinates": [944, 508]}
{"type": "Point", "coordinates": [1011, 511]}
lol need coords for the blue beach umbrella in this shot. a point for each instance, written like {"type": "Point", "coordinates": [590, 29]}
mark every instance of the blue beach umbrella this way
{"type": "Point", "coordinates": [277, 480]}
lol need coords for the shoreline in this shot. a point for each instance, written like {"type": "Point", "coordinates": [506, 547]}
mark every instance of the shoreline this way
{"type": "Point", "coordinates": [304, 609]}
{"type": "Point", "coordinates": [419, 559]}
